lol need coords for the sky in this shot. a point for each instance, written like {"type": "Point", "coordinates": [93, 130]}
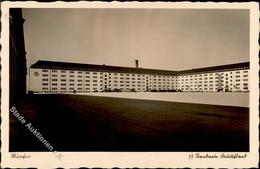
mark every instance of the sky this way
{"type": "Point", "coordinates": [170, 39]}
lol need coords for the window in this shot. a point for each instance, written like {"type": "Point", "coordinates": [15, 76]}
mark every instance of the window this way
{"type": "Point", "coordinates": [71, 80]}
{"type": "Point", "coordinates": [63, 80]}
{"type": "Point", "coordinates": [45, 88]}
{"type": "Point", "coordinates": [55, 80]}
{"type": "Point", "coordinates": [44, 70]}
{"type": "Point", "coordinates": [63, 75]}
{"type": "Point", "coordinates": [63, 84]}
{"type": "Point", "coordinates": [54, 84]}
{"type": "Point", "coordinates": [45, 79]}
{"type": "Point", "coordinates": [45, 84]}
{"type": "Point", "coordinates": [44, 75]}
{"type": "Point", "coordinates": [55, 71]}
{"type": "Point", "coordinates": [53, 75]}
{"type": "Point", "coordinates": [71, 71]}
{"type": "Point", "coordinates": [71, 75]}
{"type": "Point", "coordinates": [63, 71]}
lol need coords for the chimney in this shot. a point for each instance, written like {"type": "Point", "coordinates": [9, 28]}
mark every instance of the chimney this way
{"type": "Point", "coordinates": [136, 64]}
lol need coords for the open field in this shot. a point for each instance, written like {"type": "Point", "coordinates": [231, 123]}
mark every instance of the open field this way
{"type": "Point", "coordinates": [215, 98]}
{"type": "Point", "coordinates": [90, 123]}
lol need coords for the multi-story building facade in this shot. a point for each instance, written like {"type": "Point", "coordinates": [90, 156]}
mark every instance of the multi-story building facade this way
{"type": "Point", "coordinates": [61, 77]}
{"type": "Point", "coordinates": [233, 77]}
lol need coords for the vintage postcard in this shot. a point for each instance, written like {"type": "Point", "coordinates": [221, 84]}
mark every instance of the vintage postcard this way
{"type": "Point", "coordinates": [129, 84]}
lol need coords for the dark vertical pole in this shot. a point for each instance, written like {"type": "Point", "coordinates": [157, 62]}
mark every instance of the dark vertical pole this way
{"type": "Point", "coordinates": [17, 65]}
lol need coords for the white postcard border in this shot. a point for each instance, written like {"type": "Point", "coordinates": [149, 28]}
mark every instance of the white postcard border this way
{"type": "Point", "coordinates": [131, 159]}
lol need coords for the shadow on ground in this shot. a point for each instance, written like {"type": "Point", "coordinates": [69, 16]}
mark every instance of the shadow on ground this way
{"type": "Point", "coordinates": [88, 123]}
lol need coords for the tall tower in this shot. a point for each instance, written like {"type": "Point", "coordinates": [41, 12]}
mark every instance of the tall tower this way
{"type": "Point", "coordinates": [136, 63]}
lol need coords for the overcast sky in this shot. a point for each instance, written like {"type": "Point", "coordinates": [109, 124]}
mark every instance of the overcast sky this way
{"type": "Point", "coordinates": [173, 39]}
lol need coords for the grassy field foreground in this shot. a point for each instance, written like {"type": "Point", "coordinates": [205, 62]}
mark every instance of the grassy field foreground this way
{"type": "Point", "coordinates": [89, 123]}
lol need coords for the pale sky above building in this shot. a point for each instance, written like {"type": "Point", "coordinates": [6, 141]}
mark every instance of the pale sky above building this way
{"type": "Point", "coordinates": [172, 39]}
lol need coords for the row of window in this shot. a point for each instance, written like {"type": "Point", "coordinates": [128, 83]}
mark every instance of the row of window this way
{"type": "Point", "coordinates": [72, 89]}
{"type": "Point", "coordinates": [80, 80]}
{"type": "Point", "coordinates": [211, 74]}
{"type": "Point", "coordinates": [94, 77]}
{"type": "Point", "coordinates": [87, 89]}
{"type": "Point", "coordinates": [182, 79]}
{"type": "Point", "coordinates": [237, 80]}
{"type": "Point", "coordinates": [80, 84]}
{"type": "Point", "coordinates": [115, 74]}
{"type": "Point", "coordinates": [191, 78]}
{"type": "Point", "coordinates": [95, 84]}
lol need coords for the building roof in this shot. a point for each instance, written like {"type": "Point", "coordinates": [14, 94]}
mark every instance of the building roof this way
{"type": "Point", "coordinates": [106, 68]}
{"type": "Point", "coordinates": [242, 65]}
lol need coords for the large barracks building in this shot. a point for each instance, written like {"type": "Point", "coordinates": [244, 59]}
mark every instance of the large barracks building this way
{"type": "Point", "coordinates": [63, 77]}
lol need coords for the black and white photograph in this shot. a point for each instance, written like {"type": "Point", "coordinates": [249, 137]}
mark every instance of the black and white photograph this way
{"type": "Point", "coordinates": [131, 80]}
